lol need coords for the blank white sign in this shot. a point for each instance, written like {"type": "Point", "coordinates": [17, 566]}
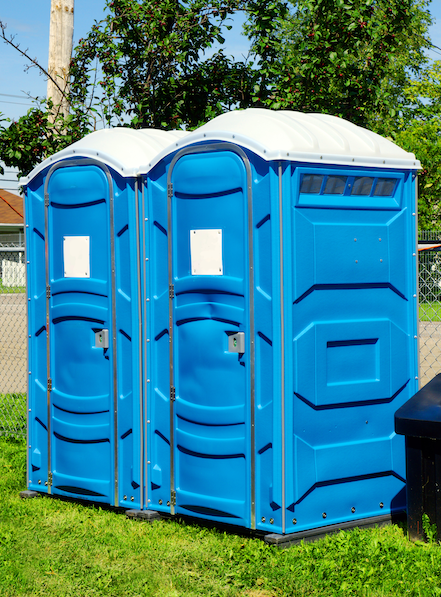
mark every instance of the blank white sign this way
{"type": "Point", "coordinates": [206, 252]}
{"type": "Point", "coordinates": [76, 253]}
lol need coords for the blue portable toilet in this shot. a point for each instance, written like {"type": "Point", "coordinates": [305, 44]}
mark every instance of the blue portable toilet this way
{"type": "Point", "coordinates": [85, 419]}
{"type": "Point", "coordinates": [282, 320]}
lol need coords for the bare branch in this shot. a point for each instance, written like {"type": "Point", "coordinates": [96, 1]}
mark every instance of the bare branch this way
{"type": "Point", "coordinates": [24, 53]}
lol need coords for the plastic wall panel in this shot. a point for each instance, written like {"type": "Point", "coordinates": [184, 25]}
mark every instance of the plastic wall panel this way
{"type": "Point", "coordinates": [353, 353]}
{"type": "Point", "coordinates": [37, 398]}
{"type": "Point", "coordinates": [357, 365]}
{"type": "Point", "coordinates": [362, 247]}
{"type": "Point", "coordinates": [129, 352]}
{"type": "Point", "coordinates": [268, 439]}
{"type": "Point", "coordinates": [157, 374]}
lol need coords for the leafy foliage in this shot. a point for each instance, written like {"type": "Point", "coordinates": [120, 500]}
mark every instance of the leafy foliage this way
{"type": "Point", "coordinates": [429, 529]}
{"type": "Point", "coordinates": [349, 58]}
{"type": "Point", "coordinates": [423, 139]}
{"type": "Point", "coordinates": [418, 129]}
{"type": "Point", "coordinates": [149, 61]}
{"type": "Point", "coordinates": [31, 138]}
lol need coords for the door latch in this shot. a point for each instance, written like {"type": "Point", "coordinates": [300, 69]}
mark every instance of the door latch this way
{"type": "Point", "coordinates": [102, 339]}
{"type": "Point", "coordinates": [236, 342]}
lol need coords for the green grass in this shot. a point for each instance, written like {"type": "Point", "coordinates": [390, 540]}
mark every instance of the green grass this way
{"type": "Point", "coordinates": [13, 415]}
{"type": "Point", "coordinates": [430, 311]}
{"type": "Point", "coordinates": [63, 549]}
{"type": "Point", "coordinates": [11, 289]}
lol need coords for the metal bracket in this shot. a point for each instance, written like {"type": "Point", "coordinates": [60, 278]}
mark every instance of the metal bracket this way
{"type": "Point", "coordinates": [169, 190]}
{"type": "Point", "coordinates": [49, 384]}
{"type": "Point", "coordinates": [172, 291]}
{"type": "Point", "coordinates": [46, 200]}
{"type": "Point", "coordinates": [172, 393]}
{"type": "Point", "coordinates": [49, 479]}
{"type": "Point", "coordinates": [48, 292]}
{"type": "Point", "coordinates": [173, 497]}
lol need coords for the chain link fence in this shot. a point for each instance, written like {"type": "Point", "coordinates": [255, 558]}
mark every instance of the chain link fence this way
{"type": "Point", "coordinates": [13, 325]}
{"type": "Point", "coordinates": [429, 259]}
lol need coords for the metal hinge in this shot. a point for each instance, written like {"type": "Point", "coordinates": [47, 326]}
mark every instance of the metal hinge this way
{"type": "Point", "coordinates": [46, 200]}
{"type": "Point", "coordinates": [173, 497]}
{"type": "Point", "coordinates": [171, 291]}
{"type": "Point", "coordinates": [49, 384]}
{"type": "Point", "coordinates": [172, 393]}
{"type": "Point", "coordinates": [170, 190]}
{"type": "Point", "coordinates": [49, 479]}
{"type": "Point", "coordinates": [48, 292]}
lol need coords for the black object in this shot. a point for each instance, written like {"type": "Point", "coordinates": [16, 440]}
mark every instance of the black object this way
{"type": "Point", "coordinates": [147, 515]}
{"type": "Point", "coordinates": [419, 419]}
{"type": "Point", "coordinates": [314, 534]}
{"type": "Point", "coordinates": [29, 494]}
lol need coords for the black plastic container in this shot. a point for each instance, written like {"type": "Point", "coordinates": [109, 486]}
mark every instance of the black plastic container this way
{"type": "Point", "coordinates": [419, 419]}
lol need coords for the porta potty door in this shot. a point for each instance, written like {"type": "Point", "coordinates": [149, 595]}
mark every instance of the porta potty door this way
{"type": "Point", "coordinates": [79, 340]}
{"type": "Point", "coordinates": [211, 336]}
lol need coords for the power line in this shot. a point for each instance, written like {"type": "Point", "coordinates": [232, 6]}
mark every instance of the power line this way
{"type": "Point", "coordinates": [19, 96]}
{"type": "Point", "coordinates": [16, 103]}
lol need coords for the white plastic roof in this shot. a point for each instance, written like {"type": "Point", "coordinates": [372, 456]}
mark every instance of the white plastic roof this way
{"type": "Point", "coordinates": [273, 135]}
{"type": "Point", "coordinates": [294, 136]}
{"type": "Point", "coordinates": [127, 151]}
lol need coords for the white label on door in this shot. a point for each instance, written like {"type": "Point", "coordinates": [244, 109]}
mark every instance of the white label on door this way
{"type": "Point", "coordinates": [76, 253]}
{"type": "Point", "coordinates": [206, 252]}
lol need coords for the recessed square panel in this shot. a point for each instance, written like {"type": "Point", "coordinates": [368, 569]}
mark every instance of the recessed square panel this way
{"type": "Point", "coordinates": [206, 252]}
{"type": "Point", "coordinates": [76, 256]}
{"type": "Point", "coordinates": [352, 361]}
{"type": "Point", "coordinates": [347, 361]}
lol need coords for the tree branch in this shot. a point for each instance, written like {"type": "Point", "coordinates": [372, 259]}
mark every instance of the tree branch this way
{"type": "Point", "coordinates": [24, 53]}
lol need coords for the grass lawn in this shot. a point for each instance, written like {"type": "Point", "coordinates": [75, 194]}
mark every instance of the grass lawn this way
{"type": "Point", "coordinates": [11, 289]}
{"type": "Point", "coordinates": [13, 415]}
{"type": "Point", "coordinates": [430, 311]}
{"type": "Point", "coordinates": [63, 549]}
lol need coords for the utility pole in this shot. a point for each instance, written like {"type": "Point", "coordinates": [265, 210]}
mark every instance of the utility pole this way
{"type": "Point", "coordinates": [60, 54]}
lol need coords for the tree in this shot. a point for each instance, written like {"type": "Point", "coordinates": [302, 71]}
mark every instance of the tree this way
{"type": "Point", "coordinates": [350, 58]}
{"type": "Point", "coordinates": [418, 130]}
{"type": "Point", "coordinates": [150, 68]}
{"type": "Point", "coordinates": [26, 142]}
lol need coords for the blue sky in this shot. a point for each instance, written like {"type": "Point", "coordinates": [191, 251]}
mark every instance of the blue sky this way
{"type": "Point", "coordinates": [28, 21]}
